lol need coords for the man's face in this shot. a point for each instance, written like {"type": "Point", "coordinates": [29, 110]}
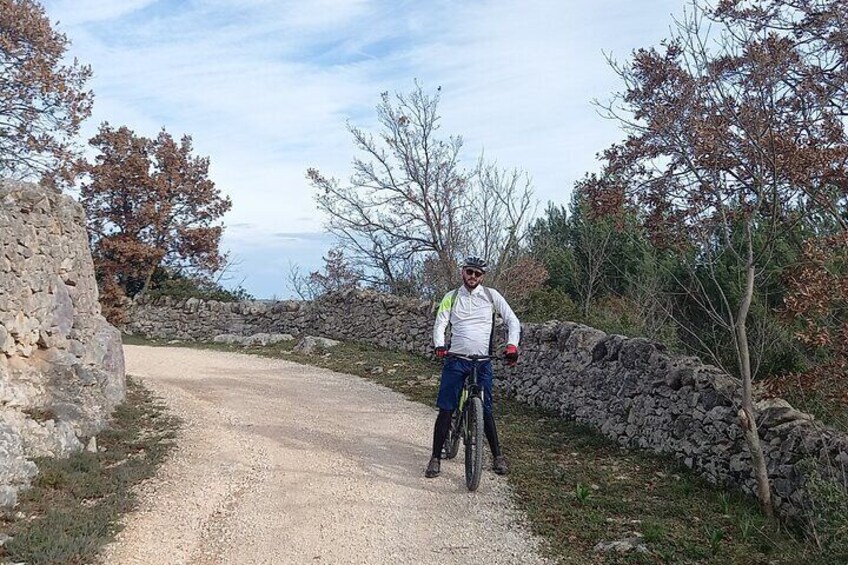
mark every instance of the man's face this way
{"type": "Point", "coordinates": [472, 277]}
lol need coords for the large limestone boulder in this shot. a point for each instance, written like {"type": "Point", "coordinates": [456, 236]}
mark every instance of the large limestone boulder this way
{"type": "Point", "coordinates": [61, 363]}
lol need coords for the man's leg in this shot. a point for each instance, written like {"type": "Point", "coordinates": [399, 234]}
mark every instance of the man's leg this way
{"type": "Point", "coordinates": [500, 463]}
{"type": "Point", "coordinates": [440, 434]}
{"type": "Point", "coordinates": [491, 433]}
{"type": "Point", "coordinates": [449, 391]}
{"type": "Point", "coordinates": [440, 431]}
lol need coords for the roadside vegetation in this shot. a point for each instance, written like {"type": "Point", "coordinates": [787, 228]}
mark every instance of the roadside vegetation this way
{"type": "Point", "coordinates": [578, 489]}
{"type": "Point", "coordinates": [75, 505]}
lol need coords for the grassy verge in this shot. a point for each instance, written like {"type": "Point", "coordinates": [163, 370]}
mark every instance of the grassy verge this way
{"type": "Point", "coordinates": [825, 408]}
{"type": "Point", "coordinates": [75, 504]}
{"type": "Point", "coordinates": [579, 489]}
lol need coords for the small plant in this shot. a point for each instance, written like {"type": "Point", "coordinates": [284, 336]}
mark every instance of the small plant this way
{"type": "Point", "coordinates": [714, 536]}
{"type": "Point", "coordinates": [746, 527]}
{"type": "Point", "coordinates": [40, 415]}
{"type": "Point", "coordinates": [724, 500]}
{"type": "Point", "coordinates": [582, 492]}
{"type": "Point", "coordinates": [684, 486]}
{"type": "Point", "coordinates": [653, 532]}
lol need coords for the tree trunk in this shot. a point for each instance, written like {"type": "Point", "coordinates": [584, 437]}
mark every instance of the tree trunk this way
{"type": "Point", "coordinates": [747, 416]}
{"type": "Point", "coordinates": [758, 462]}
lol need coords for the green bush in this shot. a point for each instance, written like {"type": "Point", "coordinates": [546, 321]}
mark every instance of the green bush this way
{"type": "Point", "coordinates": [549, 304]}
{"type": "Point", "coordinates": [165, 283]}
{"type": "Point", "coordinates": [612, 314]}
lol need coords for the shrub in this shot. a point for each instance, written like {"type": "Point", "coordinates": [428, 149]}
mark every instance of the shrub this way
{"type": "Point", "coordinates": [165, 283]}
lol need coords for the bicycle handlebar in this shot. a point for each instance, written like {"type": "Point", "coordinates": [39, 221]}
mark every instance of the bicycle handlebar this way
{"type": "Point", "coordinates": [474, 357]}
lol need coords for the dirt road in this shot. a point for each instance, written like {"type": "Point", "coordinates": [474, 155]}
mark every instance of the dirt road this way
{"type": "Point", "coordinates": [283, 463]}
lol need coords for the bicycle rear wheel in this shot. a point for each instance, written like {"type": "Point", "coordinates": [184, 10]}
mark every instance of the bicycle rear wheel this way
{"type": "Point", "coordinates": [474, 443]}
{"type": "Point", "coordinates": [454, 435]}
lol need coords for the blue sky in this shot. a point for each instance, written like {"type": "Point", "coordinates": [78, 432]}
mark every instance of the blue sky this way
{"type": "Point", "coordinates": [265, 87]}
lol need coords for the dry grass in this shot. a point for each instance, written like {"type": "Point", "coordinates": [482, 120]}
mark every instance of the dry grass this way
{"type": "Point", "coordinates": [75, 504]}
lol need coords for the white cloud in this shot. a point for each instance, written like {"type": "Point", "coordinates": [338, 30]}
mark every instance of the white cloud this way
{"type": "Point", "coordinates": [71, 13]}
{"type": "Point", "coordinates": [265, 86]}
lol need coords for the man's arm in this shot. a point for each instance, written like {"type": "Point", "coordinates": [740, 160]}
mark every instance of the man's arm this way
{"type": "Point", "coordinates": [442, 319]}
{"type": "Point", "coordinates": [508, 316]}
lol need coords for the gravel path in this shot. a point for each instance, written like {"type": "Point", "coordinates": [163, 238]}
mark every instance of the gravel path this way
{"type": "Point", "coordinates": [284, 463]}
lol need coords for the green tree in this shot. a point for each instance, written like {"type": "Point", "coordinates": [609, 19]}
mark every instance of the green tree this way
{"type": "Point", "coordinates": [548, 241]}
{"type": "Point", "coordinates": [166, 282]}
{"type": "Point", "coordinates": [614, 278]}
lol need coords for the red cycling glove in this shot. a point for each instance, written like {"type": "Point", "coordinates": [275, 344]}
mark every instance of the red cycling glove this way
{"type": "Point", "coordinates": [511, 354]}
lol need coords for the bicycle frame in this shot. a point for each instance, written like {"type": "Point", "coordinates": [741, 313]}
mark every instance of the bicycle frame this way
{"type": "Point", "coordinates": [471, 387]}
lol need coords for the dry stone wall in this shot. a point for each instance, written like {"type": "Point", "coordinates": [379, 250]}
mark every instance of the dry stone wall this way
{"type": "Point", "coordinates": [61, 363]}
{"type": "Point", "coordinates": [370, 317]}
{"type": "Point", "coordinates": [630, 389]}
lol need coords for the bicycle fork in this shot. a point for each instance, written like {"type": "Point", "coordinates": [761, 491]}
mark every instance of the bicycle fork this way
{"type": "Point", "coordinates": [463, 426]}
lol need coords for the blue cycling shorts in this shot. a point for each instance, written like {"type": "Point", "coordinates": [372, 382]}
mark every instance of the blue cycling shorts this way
{"type": "Point", "coordinates": [454, 372]}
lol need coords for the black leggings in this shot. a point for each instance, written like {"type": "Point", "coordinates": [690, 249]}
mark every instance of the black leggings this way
{"type": "Point", "coordinates": [442, 427]}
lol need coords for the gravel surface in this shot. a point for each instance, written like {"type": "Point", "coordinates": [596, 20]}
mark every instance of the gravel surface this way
{"type": "Point", "coordinates": [284, 463]}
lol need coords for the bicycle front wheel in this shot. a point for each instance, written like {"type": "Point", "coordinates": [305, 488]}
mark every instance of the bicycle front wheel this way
{"type": "Point", "coordinates": [474, 443]}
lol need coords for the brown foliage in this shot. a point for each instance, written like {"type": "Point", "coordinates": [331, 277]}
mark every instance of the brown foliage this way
{"type": "Point", "coordinates": [818, 305]}
{"type": "Point", "coordinates": [42, 101]}
{"type": "Point", "coordinates": [739, 123]}
{"type": "Point", "coordinates": [518, 281]}
{"type": "Point", "coordinates": [733, 132]}
{"type": "Point", "coordinates": [149, 203]}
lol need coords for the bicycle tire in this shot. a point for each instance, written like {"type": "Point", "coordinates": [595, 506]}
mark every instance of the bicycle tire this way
{"type": "Point", "coordinates": [454, 435]}
{"type": "Point", "coordinates": [473, 443]}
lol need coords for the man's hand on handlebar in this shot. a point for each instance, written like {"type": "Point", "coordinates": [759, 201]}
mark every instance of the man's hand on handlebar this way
{"type": "Point", "coordinates": [441, 352]}
{"type": "Point", "coordinates": [511, 355]}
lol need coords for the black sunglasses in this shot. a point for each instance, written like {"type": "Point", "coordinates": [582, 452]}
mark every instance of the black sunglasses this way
{"type": "Point", "coordinates": [473, 273]}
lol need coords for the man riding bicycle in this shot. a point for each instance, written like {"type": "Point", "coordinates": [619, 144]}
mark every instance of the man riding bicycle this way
{"type": "Point", "coordinates": [470, 310]}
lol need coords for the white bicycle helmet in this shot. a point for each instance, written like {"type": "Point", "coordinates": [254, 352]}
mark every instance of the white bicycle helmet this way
{"type": "Point", "coordinates": [475, 262]}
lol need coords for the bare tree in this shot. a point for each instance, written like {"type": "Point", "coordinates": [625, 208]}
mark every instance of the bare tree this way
{"type": "Point", "coordinates": [226, 272]}
{"type": "Point", "coordinates": [336, 275]}
{"type": "Point", "coordinates": [497, 219]}
{"type": "Point", "coordinates": [299, 283]}
{"type": "Point", "coordinates": [411, 208]}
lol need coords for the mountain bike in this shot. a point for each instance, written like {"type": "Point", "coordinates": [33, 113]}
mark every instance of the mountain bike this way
{"type": "Point", "coordinates": [467, 423]}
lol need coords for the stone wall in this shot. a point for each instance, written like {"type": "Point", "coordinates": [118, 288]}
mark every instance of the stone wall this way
{"type": "Point", "coordinates": [61, 363]}
{"type": "Point", "coordinates": [383, 320]}
{"type": "Point", "coordinates": [631, 390]}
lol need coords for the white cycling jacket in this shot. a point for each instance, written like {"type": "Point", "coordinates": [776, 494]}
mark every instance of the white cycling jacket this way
{"type": "Point", "coordinates": [471, 321]}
